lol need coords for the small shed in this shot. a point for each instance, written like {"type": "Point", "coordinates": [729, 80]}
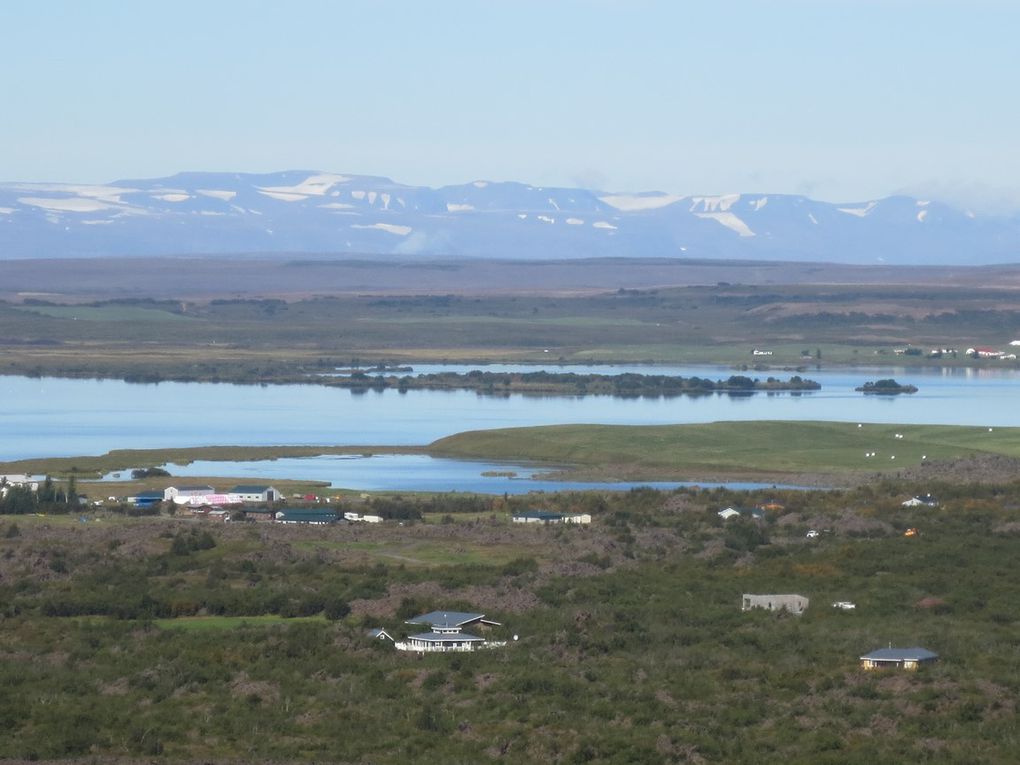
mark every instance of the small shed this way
{"type": "Point", "coordinates": [898, 658]}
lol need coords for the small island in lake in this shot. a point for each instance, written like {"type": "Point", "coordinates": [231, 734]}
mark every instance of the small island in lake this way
{"type": "Point", "coordinates": [886, 388]}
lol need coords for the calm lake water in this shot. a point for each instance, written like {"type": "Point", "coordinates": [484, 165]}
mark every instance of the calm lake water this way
{"type": "Point", "coordinates": [49, 416]}
{"type": "Point", "coordinates": [414, 472]}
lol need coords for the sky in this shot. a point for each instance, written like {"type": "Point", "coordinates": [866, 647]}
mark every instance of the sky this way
{"type": "Point", "coordinates": [836, 99]}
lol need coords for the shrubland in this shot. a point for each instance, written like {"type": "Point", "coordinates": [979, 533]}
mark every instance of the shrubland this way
{"type": "Point", "coordinates": [162, 639]}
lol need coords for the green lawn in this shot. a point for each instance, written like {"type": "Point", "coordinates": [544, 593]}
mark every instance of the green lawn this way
{"type": "Point", "coordinates": [102, 313]}
{"type": "Point", "coordinates": [216, 623]}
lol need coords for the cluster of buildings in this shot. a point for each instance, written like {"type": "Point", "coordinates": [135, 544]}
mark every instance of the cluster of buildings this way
{"type": "Point", "coordinates": [10, 480]}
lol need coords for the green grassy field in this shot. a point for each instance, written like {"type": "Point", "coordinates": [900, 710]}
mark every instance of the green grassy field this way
{"type": "Point", "coordinates": [221, 623]}
{"type": "Point", "coordinates": [733, 448]}
{"type": "Point", "coordinates": [267, 340]}
{"type": "Point", "coordinates": [756, 449]}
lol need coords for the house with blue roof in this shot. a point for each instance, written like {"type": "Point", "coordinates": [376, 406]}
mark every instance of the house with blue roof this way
{"type": "Point", "coordinates": [898, 658]}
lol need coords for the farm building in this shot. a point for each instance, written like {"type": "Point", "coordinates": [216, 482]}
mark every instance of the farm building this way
{"type": "Point", "coordinates": [545, 517]}
{"type": "Point", "coordinates": [795, 604]}
{"type": "Point", "coordinates": [313, 515]}
{"type": "Point", "coordinates": [146, 498]}
{"type": "Point", "coordinates": [898, 658]}
{"type": "Point", "coordinates": [255, 493]}
{"type": "Point", "coordinates": [171, 493]}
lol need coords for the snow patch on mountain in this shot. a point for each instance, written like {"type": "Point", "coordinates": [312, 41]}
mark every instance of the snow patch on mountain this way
{"type": "Point", "coordinates": [225, 196]}
{"type": "Point", "coordinates": [604, 224]}
{"type": "Point", "coordinates": [637, 202]}
{"type": "Point", "coordinates": [729, 220]}
{"type": "Point", "coordinates": [860, 212]}
{"type": "Point", "coordinates": [67, 204]}
{"type": "Point", "coordinates": [453, 207]}
{"type": "Point", "coordinates": [717, 204]}
{"type": "Point", "coordinates": [389, 228]}
{"type": "Point", "coordinates": [313, 185]}
{"type": "Point", "coordinates": [575, 222]}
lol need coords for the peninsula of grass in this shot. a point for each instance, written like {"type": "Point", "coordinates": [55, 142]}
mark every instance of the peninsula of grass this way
{"type": "Point", "coordinates": [754, 450]}
{"type": "Point", "coordinates": [129, 459]}
{"type": "Point", "coordinates": [730, 449]}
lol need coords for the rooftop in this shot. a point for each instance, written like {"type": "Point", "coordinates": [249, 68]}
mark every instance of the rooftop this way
{"type": "Point", "coordinates": [900, 654]}
{"type": "Point", "coordinates": [245, 488]}
{"type": "Point", "coordinates": [448, 619]}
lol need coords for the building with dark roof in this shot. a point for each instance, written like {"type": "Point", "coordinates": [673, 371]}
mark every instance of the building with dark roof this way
{"type": "Point", "coordinates": [899, 658]}
{"type": "Point", "coordinates": [446, 633]}
{"type": "Point", "coordinates": [313, 515]}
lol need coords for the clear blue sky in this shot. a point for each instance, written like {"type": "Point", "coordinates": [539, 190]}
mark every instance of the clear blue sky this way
{"type": "Point", "coordinates": [836, 99]}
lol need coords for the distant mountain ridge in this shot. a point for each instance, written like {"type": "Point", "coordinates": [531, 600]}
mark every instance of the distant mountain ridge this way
{"type": "Point", "coordinates": [311, 212]}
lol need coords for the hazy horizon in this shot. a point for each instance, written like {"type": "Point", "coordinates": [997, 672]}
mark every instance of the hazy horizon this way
{"type": "Point", "coordinates": [838, 101]}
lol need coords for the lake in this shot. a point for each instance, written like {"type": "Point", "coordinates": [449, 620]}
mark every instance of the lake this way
{"type": "Point", "coordinates": [50, 416]}
{"type": "Point", "coordinates": [415, 472]}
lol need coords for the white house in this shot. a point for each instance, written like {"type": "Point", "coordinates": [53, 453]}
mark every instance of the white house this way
{"type": "Point", "coordinates": [728, 513]}
{"type": "Point", "coordinates": [446, 633]}
{"type": "Point", "coordinates": [545, 517]}
{"type": "Point", "coordinates": [183, 495]}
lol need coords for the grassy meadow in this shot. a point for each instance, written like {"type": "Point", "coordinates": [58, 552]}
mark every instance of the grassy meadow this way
{"type": "Point", "coordinates": [267, 339]}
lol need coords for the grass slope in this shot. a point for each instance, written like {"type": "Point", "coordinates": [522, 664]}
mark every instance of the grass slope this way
{"type": "Point", "coordinates": [700, 451]}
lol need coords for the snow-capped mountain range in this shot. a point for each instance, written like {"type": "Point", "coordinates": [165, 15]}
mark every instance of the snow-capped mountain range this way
{"type": "Point", "coordinates": [314, 212]}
